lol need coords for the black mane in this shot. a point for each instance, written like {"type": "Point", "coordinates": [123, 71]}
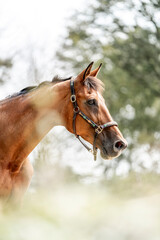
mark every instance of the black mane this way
{"type": "Point", "coordinates": [57, 79]}
{"type": "Point", "coordinates": [26, 90]}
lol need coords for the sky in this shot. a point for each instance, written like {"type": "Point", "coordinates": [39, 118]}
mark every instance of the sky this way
{"type": "Point", "coordinates": [36, 18]}
{"type": "Point", "coordinates": [30, 30]}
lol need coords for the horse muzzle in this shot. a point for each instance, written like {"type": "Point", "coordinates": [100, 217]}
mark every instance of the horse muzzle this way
{"type": "Point", "coordinates": [110, 151]}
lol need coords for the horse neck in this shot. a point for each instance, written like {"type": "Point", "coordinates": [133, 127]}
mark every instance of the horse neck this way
{"type": "Point", "coordinates": [50, 104]}
{"type": "Point", "coordinates": [26, 119]}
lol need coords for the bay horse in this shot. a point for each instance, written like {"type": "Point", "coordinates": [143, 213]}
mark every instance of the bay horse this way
{"type": "Point", "coordinates": [26, 117]}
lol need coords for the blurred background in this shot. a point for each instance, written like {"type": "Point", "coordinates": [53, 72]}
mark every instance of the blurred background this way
{"type": "Point", "coordinates": [71, 196]}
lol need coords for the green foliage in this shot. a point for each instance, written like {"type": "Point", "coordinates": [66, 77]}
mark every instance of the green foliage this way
{"type": "Point", "coordinates": [130, 53]}
{"type": "Point", "coordinates": [5, 65]}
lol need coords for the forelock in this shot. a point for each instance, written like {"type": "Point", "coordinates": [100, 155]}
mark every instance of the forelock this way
{"type": "Point", "coordinates": [94, 83]}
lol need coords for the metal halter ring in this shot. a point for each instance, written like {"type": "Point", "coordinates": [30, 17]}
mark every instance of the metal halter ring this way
{"type": "Point", "coordinates": [76, 109]}
{"type": "Point", "coordinates": [73, 98]}
{"type": "Point", "coordinates": [99, 129]}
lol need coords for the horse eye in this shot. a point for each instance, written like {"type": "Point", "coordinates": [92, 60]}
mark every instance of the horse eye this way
{"type": "Point", "coordinates": [91, 102]}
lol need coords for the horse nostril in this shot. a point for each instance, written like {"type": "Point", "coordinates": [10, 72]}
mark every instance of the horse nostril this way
{"type": "Point", "coordinates": [119, 145]}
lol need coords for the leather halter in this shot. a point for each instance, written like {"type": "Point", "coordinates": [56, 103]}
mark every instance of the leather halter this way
{"type": "Point", "coordinates": [98, 128]}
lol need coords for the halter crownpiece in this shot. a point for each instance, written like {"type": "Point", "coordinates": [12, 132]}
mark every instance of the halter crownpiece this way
{"type": "Point", "coordinates": [98, 128]}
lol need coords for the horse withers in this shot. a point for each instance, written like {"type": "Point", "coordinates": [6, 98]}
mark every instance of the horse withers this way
{"type": "Point", "coordinates": [26, 117]}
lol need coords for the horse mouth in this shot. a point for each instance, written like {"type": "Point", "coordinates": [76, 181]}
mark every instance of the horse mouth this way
{"type": "Point", "coordinates": [108, 155]}
{"type": "Point", "coordinates": [104, 154]}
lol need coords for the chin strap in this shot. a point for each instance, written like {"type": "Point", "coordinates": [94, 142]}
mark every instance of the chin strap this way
{"type": "Point", "coordinates": [98, 128]}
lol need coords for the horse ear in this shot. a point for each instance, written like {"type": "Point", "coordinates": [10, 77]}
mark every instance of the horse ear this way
{"type": "Point", "coordinates": [85, 73]}
{"type": "Point", "coordinates": [95, 72]}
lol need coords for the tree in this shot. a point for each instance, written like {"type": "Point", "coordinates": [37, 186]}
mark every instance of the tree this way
{"type": "Point", "coordinates": [125, 36]}
{"type": "Point", "coordinates": [5, 65]}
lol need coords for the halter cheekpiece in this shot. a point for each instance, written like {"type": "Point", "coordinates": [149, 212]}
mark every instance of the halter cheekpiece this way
{"type": "Point", "coordinates": [98, 128]}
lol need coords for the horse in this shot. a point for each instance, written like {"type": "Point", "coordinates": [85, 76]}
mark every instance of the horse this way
{"type": "Point", "coordinates": [27, 116]}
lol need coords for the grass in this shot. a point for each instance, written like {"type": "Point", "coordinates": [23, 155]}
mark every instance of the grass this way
{"type": "Point", "coordinates": [118, 209]}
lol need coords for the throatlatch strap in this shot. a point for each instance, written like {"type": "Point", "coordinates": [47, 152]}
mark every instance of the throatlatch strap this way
{"type": "Point", "coordinates": [77, 136]}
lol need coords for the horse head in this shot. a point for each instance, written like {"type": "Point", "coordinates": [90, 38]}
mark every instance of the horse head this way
{"type": "Point", "coordinates": [90, 113]}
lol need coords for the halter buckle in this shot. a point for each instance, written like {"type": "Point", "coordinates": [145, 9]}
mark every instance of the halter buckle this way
{"type": "Point", "coordinates": [73, 98]}
{"type": "Point", "coordinates": [99, 129]}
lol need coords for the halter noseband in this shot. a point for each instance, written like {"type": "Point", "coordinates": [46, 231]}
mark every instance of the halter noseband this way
{"type": "Point", "coordinates": [98, 128]}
